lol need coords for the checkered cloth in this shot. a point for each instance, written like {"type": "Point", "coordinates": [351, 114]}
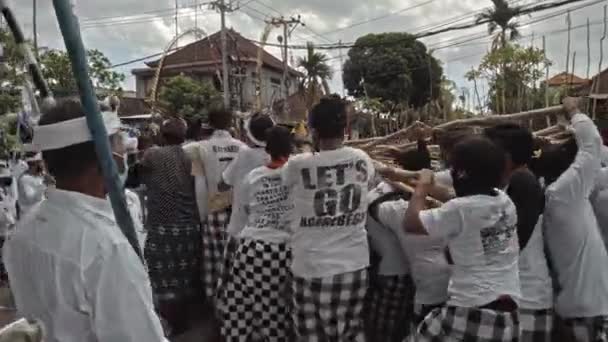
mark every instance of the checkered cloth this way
{"type": "Point", "coordinates": [173, 257]}
{"type": "Point", "coordinates": [3, 273]}
{"type": "Point", "coordinates": [451, 323]}
{"type": "Point", "coordinates": [535, 325]}
{"type": "Point", "coordinates": [214, 241]}
{"type": "Point", "coordinates": [252, 300]}
{"type": "Point", "coordinates": [420, 313]}
{"type": "Point", "coordinates": [591, 329]}
{"type": "Point", "coordinates": [329, 309]}
{"type": "Point", "coordinates": [388, 309]}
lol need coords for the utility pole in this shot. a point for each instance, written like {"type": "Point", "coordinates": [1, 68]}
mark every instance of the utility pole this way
{"type": "Point", "coordinates": [226, 87]}
{"type": "Point", "coordinates": [176, 24]}
{"type": "Point", "coordinates": [341, 67]}
{"type": "Point", "coordinates": [35, 27]}
{"type": "Point", "coordinates": [286, 23]}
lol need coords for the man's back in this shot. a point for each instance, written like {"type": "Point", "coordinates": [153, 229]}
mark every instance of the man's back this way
{"type": "Point", "coordinates": [70, 266]}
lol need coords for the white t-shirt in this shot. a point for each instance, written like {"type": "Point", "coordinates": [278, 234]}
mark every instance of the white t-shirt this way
{"type": "Point", "coordinates": [267, 204]}
{"type": "Point", "coordinates": [216, 154]}
{"type": "Point", "coordinates": [384, 242]}
{"type": "Point", "coordinates": [536, 283]}
{"type": "Point", "coordinates": [426, 255]}
{"type": "Point", "coordinates": [599, 200]}
{"type": "Point", "coordinates": [330, 196]}
{"type": "Point", "coordinates": [444, 178]}
{"type": "Point", "coordinates": [31, 192]}
{"type": "Point", "coordinates": [577, 251]}
{"type": "Point", "coordinates": [247, 160]}
{"type": "Point", "coordinates": [136, 210]}
{"type": "Point", "coordinates": [482, 239]}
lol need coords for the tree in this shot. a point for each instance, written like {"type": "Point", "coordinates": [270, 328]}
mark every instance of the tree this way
{"type": "Point", "coordinates": [318, 73]}
{"type": "Point", "coordinates": [188, 98]}
{"type": "Point", "coordinates": [501, 17]}
{"type": "Point", "coordinates": [511, 71]}
{"type": "Point", "coordinates": [11, 75]}
{"type": "Point", "coordinates": [57, 71]}
{"type": "Point", "coordinates": [394, 67]}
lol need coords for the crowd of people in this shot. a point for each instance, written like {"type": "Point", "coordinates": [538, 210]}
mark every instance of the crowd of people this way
{"type": "Point", "coordinates": [288, 240]}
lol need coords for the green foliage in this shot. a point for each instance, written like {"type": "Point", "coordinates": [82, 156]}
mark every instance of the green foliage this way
{"type": "Point", "coordinates": [512, 73]}
{"type": "Point", "coordinates": [185, 97]}
{"type": "Point", "coordinates": [501, 18]}
{"type": "Point", "coordinates": [10, 74]}
{"type": "Point", "coordinates": [318, 73]}
{"type": "Point", "coordinates": [393, 67]}
{"type": "Point", "coordinates": [57, 71]}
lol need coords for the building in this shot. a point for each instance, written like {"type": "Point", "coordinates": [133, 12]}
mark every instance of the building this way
{"type": "Point", "coordinates": [202, 60]}
{"type": "Point", "coordinates": [567, 79]}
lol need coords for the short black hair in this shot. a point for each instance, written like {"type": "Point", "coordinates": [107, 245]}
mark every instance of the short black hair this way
{"type": "Point", "coordinates": [415, 159]}
{"type": "Point", "coordinates": [220, 118]}
{"type": "Point", "coordinates": [329, 118]}
{"type": "Point", "coordinates": [70, 161]}
{"type": "Point", "coordinates": [278, 142]}
{"type": "Point", "coordinates": [478, 165]}
{"type": "Point", "coordinates": [516, 140]}
{"type": "Point", "coordinates": [259, 124]}
{"type": "Point", "coordinates": [554, 160]}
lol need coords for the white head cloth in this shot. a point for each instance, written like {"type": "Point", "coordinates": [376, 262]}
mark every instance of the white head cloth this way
{"type": "Point", "coordinates": [36, 157]}
{"type": "Point", "coordinates": [247, 126]}
{"type": "Point", "coordinates": [70, 132]}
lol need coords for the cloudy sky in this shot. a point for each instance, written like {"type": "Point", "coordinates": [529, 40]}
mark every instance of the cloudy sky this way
{"type": "Point", "coordinates": [129, 29]}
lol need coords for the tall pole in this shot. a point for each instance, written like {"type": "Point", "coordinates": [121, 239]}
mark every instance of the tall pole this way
{"type": "Point", "coordinates": [225, 85]}
{"type": "Point", "coordinates": [598, 86]}
{"type": "Point", "coordinates": [35, 27]}
{"type": "Point", "coordinates": [569, 23]}
{"type": "Point", "coordinates": [176, 24]}
{"type": "Point", "coordinates": [341, 67]}
{"type": "Point", "coordinates": [546, 72]}
{"type": "Point", "coordinates": [68, 23]}
{"type": "Point", "coordinates": [285, 65]}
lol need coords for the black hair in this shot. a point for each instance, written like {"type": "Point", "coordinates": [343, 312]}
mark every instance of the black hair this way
{"type": "Point", "coordinates": [71, 161]}
{"type": "Point", "coordinates": [554, 160]}
{"type": "Point", "coordinates": [415, 159]}
{"type": "Point", "coordinates": [448, 139]}
{"type": "Point", "coordinates": [220, 118]}
{"type": "Point", "coordinates": [516, 140]}
{"type": "Point", "coordinates": [278, 142]}
{"type": "Point", "coordinates": [195, 128]}
{"type": "Point", "coordinates": [329, 118]}
{"type": "Point", "coordinates": [478, 165]}
{"type": "Point", "coordinates": [259, 124]}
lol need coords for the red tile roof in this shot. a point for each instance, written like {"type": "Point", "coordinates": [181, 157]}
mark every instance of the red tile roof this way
{"type": "Point", "coordinates": [208, 51]}
{"type": "Point", "coordinates": [565, 79]}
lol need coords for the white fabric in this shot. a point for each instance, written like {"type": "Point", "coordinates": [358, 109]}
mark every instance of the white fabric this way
{"type": "Point", "coordinates": [384, 242]}
{"type": "Point", "coordinates": [192, 150]}
{"type": "Point", "coordinates": [330, 195]}
{"type": "Point", "coordinates": [31, 192]}
{"type": "Point", "coordinates": [604, 155]}
{"type": "Point", "coordinates": [426, 255]}
{"type": "Point", "coordinates": [216, 154]}
{"type": "Point", "coordinates": [70, 266]}
{"type": "Point", "coordinates": [267, 206]}
{"type": "Point", "coordinates": [247, 160]}
{"type": "Point", "coordinates": [599, 199]}
{"type": "Point", "coordinates": [577, 251]}
{"type": "Point", "coordinates": [444, 178]}
{"type": "Point", "coordinates": [137, 215]}
{"type": "Point", "coordinates": [482, 239]}
{"type": "Point", "coordinates": [8, 211]}
{"type": "Point", "coordinates": [536, 283]}
{"type": "Point", "coordinates": [70, 132]}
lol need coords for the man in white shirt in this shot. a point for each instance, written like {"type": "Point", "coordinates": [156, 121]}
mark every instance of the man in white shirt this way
{"type": "Point", "coordinates": [575, 244]}
{"type": "Point", "coordinates": [69, 264]}
{"type": "Point", "coordinates": [253, 300]}
{"type": "Point", "coordinates": [31, 185]}
{"type": "Point", "coordinates": [216, 154]}
{"type": "Point", "coordinates": [329, 245]}
{"type": "Point", "coordinates": [479, 226]}
{"type": "Point", "coordinates": [599, 199]}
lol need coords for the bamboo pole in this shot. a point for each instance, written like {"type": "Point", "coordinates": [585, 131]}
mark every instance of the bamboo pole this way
{"type": "Point", "coordinates": [598, 80]}
{"type": "Point", "coordinates": [495, 119]}
{"type": "Point", "coordinates": [68, 24]}
{"type": "Point", "coordinates": [569, 24]}
{"type": "Point", "coordinates": [588, 74]}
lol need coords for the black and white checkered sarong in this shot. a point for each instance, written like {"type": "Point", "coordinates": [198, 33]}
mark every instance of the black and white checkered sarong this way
{"type": "Point", "coordinates": [252, 300]}
{"type": "Point", "coordinates": [535, 325]}
{"type": "Point", "coordinates": [214, 242]}
{"type": "Point", "coordinates": [329, 309]}
{"type": "Point", "coordinates": [590, 329]}
{"type": "Point", "coordinates": [451, 323]}
{"type": "Point", "coordinates": [388, 309]}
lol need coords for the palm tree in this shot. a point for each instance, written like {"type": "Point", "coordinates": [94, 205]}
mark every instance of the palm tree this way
{"type": "Point", "coordinates": [501, 17]}
{"type": "Point", "coordinates": [318, 73]}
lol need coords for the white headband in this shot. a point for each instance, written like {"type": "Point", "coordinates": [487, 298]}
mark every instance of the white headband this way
{"type": "Point", "coordinates": [70, 132]}
{"type": "Point", "coordinates": [37, 157]}
{"type": "Point", "coordinates": [250, 135]}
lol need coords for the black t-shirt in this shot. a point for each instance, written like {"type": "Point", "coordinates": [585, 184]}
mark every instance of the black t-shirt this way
{"type": "Point", "coordinates": [527, 194]}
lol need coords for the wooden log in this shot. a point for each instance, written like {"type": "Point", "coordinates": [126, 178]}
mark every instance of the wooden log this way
{"type": "Point", "coordinates": [496, 119]}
